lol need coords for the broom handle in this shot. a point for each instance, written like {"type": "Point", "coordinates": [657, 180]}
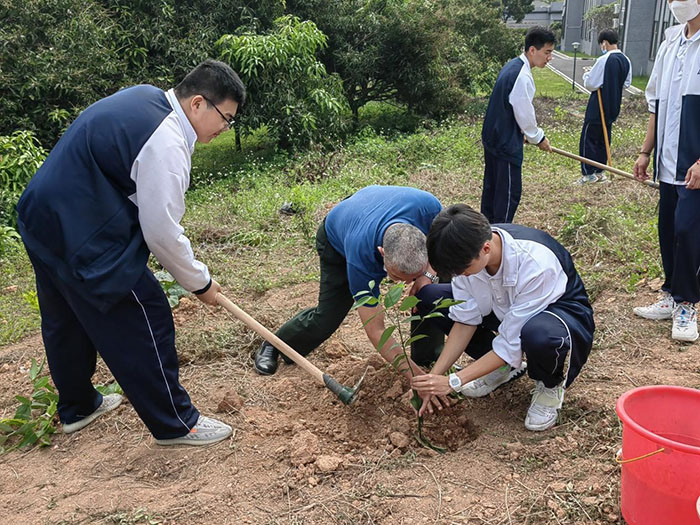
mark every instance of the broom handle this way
{"type": "Point", "coordinates": [603, 166]}
{"type": "Point", "coordinates": [605, 126]}
{"type": "Point", "coordinates": [271, 338]}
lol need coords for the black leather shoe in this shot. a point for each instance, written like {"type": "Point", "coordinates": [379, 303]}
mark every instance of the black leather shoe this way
{"type": "Point", "coordinates": [266, 359]}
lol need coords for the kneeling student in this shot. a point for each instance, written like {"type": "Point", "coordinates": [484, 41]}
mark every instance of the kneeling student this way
{"type": "Point", "coordinates": [519, 282]}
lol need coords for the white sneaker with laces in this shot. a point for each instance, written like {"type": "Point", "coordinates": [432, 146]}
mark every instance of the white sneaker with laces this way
{"type": "Point", "coordinates": [685, 322]}
{"type": "Point", "coordinates": [544, 409]}
{"type": "Point", "coordinates": [205, 432]}
{"type": "Point", "coordinates": [661, 309]}
{"type": "Point", "coordinates": [485, 385]}
{"type": "Point", "coordinates": [109, 402]}
{"type": "Point", "coordinates": [586, 179]}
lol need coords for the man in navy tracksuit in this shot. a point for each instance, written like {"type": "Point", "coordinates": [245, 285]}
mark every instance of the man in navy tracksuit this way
{"type": "Point", "coordinates": [610, 74]}
{"type": "Point", "coordinates": [510, 119]}
{"type": "Point", "coordinates": [109, 193]}
{"type": "Point", "coordinates": [673, 95]}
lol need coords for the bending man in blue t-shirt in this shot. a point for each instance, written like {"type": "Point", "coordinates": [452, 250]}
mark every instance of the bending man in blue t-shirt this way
{"type": "Point", "coordinates": [378, 231]}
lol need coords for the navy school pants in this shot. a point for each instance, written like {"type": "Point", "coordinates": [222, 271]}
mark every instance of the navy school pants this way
{"type": "Point", "coordinates": [502, 189]}
{"type": "Point", "coordinates": [679, 224]}
{"type": "Point", "coordinates": [136, 340]}
{"type": "Point", "coordinates": [546, 338]}
{"type": "Point", "coordinates": [592, 146]}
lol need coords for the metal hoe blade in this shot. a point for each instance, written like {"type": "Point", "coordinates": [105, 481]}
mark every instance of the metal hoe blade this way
{"type": "Point", "coordinates": [346, 394]}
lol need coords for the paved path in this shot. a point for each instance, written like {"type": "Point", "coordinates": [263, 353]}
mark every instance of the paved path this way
{"type": "Point", "coordinates": [563, 66]}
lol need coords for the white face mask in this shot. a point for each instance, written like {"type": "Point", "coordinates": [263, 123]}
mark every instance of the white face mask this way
{"type": "Point", "coordinates": [685, 10]}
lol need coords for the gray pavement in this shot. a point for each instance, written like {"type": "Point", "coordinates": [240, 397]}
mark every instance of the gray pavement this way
{"type": "Point", "coordinates": [563, 65]}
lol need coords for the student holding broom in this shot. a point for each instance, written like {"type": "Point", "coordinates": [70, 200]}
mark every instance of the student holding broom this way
{"type": "Point", "coordinates": [111, 192]}
{"type": "Point", "coordinates": [610, 74]}
{"type": "Point", "coordinates": [673, 132]}
{"type": "Point", "coordinates": [510, 120]}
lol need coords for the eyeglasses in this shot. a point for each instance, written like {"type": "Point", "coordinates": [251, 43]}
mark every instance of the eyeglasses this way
{"type": "Point", "coordinates": [230, 122]}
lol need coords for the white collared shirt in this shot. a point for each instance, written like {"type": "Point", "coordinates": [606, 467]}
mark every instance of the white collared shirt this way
{"type": "Point", "coordinates": [529, 279]}
{"type": "Point", "coordinates": [668, 156]}
{"type": "Point", "coordinates": [593, 79]}
{"type": "Point", "coordinates": [521, 99]}
{"type": "Point", "coordinates": [161, 172]}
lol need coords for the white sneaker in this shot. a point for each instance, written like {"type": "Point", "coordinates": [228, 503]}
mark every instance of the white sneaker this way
{"type": "Point", "coordinates": [544, 409]}
{"type": "Point", "coordinates": [661, 309]}
{"type": "Point", "coordinates": [685, 322]}
{"type": "Point", "coordinates": [586, 179]}
{"type": "Point", "coordinates": [485, 385]}
{"type": "Point", "coordinates": [205, 432]}
{"type": "Point", "coordinates": [601, 177]}
{"type": "Point", "coordinates": [109, 402]}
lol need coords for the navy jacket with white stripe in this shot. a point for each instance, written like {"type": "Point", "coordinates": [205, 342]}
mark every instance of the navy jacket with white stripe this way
{"type": "Point", "coordinates": [75, 214]}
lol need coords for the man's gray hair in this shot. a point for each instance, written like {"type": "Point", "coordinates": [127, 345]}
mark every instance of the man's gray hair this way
{"type": "Point", "coordinates": [404, 248]}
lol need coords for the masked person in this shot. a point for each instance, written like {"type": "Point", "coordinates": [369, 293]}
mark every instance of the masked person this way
{"type": "Point", "coordinates": [610, 74]}
{"type": "Point", "coordinates": [673, 95]}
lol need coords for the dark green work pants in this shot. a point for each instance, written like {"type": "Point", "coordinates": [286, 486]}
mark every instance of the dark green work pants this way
{"type": "Point", "coordinates": [311, 327]}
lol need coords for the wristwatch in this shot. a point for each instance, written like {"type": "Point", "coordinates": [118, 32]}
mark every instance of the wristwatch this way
{"type": "Point", "coordinates": [433, 278]}
{"type": "Point", "coordinates": [455, 382]}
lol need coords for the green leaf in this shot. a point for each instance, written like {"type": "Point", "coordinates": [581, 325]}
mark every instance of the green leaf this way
{"type": "Point", "coordinates": [385, 336]}
{"type": "Point", "coordinates": [433, 314]}
{"type": "Point", "coordinates": [416, 400]}
{"type": "Point", "coordinates": [393, 295]}
{"type": "Point", "coordinates": [397, 360]}
{"type": "Point", "coordinates": [415, 338]}
{"type": "Point", "coordinates": [408, 303]}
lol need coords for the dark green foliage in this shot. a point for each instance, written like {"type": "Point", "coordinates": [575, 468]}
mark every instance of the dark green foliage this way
{"type": "Point", "coordinates": [33, 422]}
{"type": "Point", "coordinates": [514, 9]}
{"type": "Point", "coordinates": [430, 55]}
{"type": "Point", "coordinates": [59, 56]}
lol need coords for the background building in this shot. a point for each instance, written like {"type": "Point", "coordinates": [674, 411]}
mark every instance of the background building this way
{"type": "Point", "coordinates": [641, 24]}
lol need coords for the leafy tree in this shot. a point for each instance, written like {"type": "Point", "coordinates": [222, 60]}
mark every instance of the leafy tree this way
{"type": "Point", "coordinates": [514, 9]}
{"type": "Point", "coordinates": [601, 17]}
{"type": "Point", "coordinates": [425, 53]}
{"type": "Point", "coordinates": [289, 90]}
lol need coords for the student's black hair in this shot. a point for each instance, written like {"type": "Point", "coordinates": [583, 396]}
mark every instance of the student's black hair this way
{"type": "Point", "coordinates": [539, 36]}
{"type": "Point", "coordinates": [608, 34]}
{"type": "Point", "coordinates": [213, 80]}
{"type": "Point", "coordinates": [455, 239]}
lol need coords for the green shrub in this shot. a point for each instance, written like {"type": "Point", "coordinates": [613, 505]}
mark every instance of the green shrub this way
{"type": "Point", "coordinates": [20, 158]}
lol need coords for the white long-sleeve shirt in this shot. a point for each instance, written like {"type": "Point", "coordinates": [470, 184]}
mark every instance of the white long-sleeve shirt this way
{"type": "Point", "coordinates": [529, 279]}
{"type": "Point", "coordinates": [162, 175]}
{"type": "Point", "coordinates": [521, 99]}
{"type": "Point", "coordinates": [593, 79]}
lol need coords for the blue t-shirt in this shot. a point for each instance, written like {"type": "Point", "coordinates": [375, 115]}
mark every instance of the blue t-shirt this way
{"type": "Point", "coordinates": [356, 226]}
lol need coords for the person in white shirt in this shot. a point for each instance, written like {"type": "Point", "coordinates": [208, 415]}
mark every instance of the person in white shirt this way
{"type": "Point", "coordinates": [520, 283]}
{"type": "Point", "coordinates": [509, 121]}
{"type": "Point", "coordinates": [109, 193]}
{"type": "Point", "coordinates": [610, 74]}
{"type": "Point", "coordinates": [673, 131]}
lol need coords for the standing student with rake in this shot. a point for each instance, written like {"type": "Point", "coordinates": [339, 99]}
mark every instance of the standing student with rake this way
{"type": "Point", "coordinates": [510, 120]}
{"type": "Point", "coordinates": [610, 74]}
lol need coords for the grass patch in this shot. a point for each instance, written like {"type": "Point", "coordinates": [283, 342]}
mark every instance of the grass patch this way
{"type": "Point", "coordinates": [640, 82]}
{"type": "Point", "coordinates": [235, 226]}
{"type": "Point", "coordinates": [549, 84]}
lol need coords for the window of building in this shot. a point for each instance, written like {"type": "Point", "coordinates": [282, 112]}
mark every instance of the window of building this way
{"type": "Point", "coordinates": [663, 19]}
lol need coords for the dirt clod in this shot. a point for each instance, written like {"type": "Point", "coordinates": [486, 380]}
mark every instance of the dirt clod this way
{"type": "Point", "coordinates": [230, 402]}
{"type": "Point", "coordinates": [305, 448]}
